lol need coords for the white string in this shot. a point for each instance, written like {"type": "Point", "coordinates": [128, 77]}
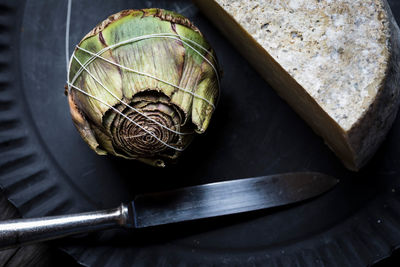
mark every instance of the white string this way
{"type": "Point", "coordinates": [148, 75]}
{"type": "Point", "coordinates": [98, 55]}
{"type": "Point", "coordinates": [120, 113]}
{"type": "Point", "coordinates": [166, 35]}
{"type": "Point", "coordinates": [126, 104]}
{"type": "Point", "coordinates": [143, 37]}
{"type": "Point", "coordinates": [67, 34]}
{"type": "Point", "coordinates": [158, 139]}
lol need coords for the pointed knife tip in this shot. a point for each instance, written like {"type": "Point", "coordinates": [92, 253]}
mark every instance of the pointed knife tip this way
{"type": "Point", "coordinates": [334, 181]}
{"type": "Point", "coordinates": [331, 180]}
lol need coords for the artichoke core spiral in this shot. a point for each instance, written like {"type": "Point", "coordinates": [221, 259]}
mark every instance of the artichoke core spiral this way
{"type": "Point", "coordinates": [141, 84]}
{"type": "Point", "coordinates": [134, 140]}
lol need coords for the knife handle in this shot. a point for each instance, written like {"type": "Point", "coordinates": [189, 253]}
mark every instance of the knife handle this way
{"type": "Point", "coordinates": [26, 231]}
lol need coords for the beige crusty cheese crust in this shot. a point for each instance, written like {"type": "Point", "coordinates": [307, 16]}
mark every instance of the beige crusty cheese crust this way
{"type": "Point", "coordinates": [335, 62]}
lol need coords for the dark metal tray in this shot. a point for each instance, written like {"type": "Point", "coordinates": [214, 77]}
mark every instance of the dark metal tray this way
{"type": "Point", "coordinates": [46, 169]}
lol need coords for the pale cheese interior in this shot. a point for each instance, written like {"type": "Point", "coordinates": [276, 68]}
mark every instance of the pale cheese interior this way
{"type": "Point", "coordinates": [336, 50]}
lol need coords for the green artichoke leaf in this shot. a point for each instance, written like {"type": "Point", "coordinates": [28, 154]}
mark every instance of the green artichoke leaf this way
{"type": "Point", "coordinates": [144, 98]}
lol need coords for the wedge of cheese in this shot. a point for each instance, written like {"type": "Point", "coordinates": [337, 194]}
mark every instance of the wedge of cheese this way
{"type": "Point", "coordinates": [336, 62]}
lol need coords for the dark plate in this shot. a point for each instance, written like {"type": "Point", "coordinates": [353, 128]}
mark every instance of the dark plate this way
{"type": "Point", "coordinates": [47, 169]}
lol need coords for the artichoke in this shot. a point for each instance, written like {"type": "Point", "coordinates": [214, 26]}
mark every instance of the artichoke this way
{"type": "Point", "coordinates": [141, 84]}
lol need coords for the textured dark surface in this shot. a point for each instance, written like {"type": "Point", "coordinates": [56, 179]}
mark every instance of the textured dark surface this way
{"type": "Point", "coordinates": [38, 255]}
{"type": "Point", "coordinates": [45, 167]}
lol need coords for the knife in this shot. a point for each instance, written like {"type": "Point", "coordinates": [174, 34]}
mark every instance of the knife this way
{"type": "Point", "coordinates": [185, 204]}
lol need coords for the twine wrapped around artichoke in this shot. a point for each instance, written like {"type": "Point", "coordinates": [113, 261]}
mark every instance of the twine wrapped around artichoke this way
{"type": "Point", "coordinates": [141, 84]}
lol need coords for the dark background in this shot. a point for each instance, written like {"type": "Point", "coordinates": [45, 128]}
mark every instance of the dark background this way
{"type": "Point", "coordinates": [46, 169]}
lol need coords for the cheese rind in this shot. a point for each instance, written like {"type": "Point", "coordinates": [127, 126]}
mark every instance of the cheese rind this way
{"type": "Point", "coordinates": [335, 62]}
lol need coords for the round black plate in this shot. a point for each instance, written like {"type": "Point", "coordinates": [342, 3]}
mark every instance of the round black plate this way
{"type": "Point", "coordinates": [47, 169]}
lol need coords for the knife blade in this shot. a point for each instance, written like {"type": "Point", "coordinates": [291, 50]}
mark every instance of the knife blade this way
{"type": "Point", "coordinates": [230, 197]}
{"type": "Point", "coordinates": [184, 204]}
